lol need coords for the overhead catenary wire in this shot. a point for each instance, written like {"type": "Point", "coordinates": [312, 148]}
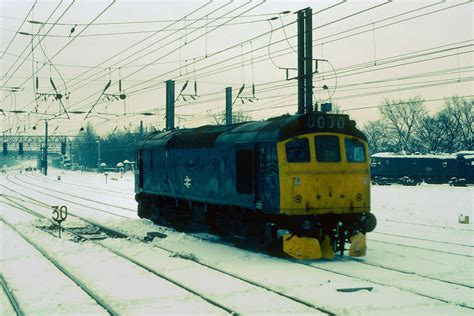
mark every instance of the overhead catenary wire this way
{"type": "Point", "coordinates": [144, 31]}
{"type": "Point", "coordinates": [190, 41]}
{"type": "Point", "coordinates": [156, 21]}
{"type": "Point", "coordinates": [7, 73]}
{"type": "Point", "coordinates": [326, 9]}
{"type": "Point", "coordinates": [74, 37]}
{"type": "Point", "coordinates": [210, 73]}
{"type": "Point", "coordinates": [267, 33]}
{"type": "Point", "coordinates": [351, 15]}
{"type": "Point", "coordinates": [316, 12]}
{"type": "Point", "coordinates": [19, 28]}
{"type": "Point", "coordinates": [141, 41]}
{"type": "Point", "coordinates": [219, 98]}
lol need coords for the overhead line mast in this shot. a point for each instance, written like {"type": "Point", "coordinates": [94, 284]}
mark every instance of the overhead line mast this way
{"type": "Point", "coordinates": [305, 61]}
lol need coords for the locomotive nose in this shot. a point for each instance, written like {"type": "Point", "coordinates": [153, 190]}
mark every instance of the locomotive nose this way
{"type": "Point", "coordinates": [368, 221]}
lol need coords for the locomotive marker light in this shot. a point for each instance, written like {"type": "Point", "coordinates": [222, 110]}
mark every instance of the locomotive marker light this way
{"type": "Point", "coordinates": [59, 215]}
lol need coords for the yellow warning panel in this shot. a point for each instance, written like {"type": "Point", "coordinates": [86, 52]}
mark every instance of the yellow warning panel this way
{"type": "Point", "coordinates": [358, 245]}
{"type": "Point", "coordinates": [301, 247]}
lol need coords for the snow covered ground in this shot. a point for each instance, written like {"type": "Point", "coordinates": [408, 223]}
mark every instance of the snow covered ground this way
{"type": "Point", "coordinates": [419, 261]}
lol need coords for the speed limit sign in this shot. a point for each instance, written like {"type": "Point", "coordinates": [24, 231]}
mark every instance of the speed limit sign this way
{"type": "Point", "coordinates": [59, 215]}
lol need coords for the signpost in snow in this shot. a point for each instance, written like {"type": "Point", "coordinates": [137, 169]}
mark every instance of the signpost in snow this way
{"type": "Point", "coordinates": [59, 215]}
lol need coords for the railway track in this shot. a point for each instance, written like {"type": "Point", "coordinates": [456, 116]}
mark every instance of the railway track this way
{"type": "Point", "coordinates": [367, 277]}
{"type": "Point", "coordinates": [113, 233]}
{"type": "Point", "coordinates": [387, 234]}
{"type": "Point", "coordinates": [423, 225]}
{"type": "Point", "coordinates": [82, 186]}
{"type": "Point", "coordinates": [424, 248]}
{"type": "Point", "coordinates": [400, 272]}
{"type": "Point", "coordinates": [11, 297]}
{"type": "Point", "coordinates": [384, 241]}
{"type": "Point", "coordinates": [77, 196]}
{"type": "Point", "coordinates": [372, 277]}
{"type": "Point", "coordinates": [44, 253]}
{"type": "Point", "coordinates": [62, 198]}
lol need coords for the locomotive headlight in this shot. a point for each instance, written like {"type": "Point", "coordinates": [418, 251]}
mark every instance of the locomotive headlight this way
{"type": "Point", "coordinates": [298, 198]}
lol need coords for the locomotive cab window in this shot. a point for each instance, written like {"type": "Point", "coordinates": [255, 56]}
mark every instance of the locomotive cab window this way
{"type": "Point", "coordinates": [297, 150]}
{"type": "Point", "coordinates": [327, 148]}
{"type": "Point", "coordinates": [355, 150]}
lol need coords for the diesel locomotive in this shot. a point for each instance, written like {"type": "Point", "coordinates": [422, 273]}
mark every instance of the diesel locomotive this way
{"type": "Point", "coordinates": [299, 184]}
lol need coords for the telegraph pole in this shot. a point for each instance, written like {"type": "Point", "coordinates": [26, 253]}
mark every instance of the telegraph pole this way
{"type": "Point", "coordinates": [228, 106]}
{"type": "Point", "coordinates": [98, 152]}
{"type": "Point", "coordinates": [301, 68]}
{"type": "Point", "coordinates": [169, 105]}
{"type": "Point", "coordinates": [308, 59]}
{"type": "Point", "coordinates": [45, 161]}
{"type": "Point", "coordinates": [305, 61]}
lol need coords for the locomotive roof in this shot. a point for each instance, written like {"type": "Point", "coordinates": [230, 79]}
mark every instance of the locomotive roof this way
{"type": "Point", "coordinates": [274, 129]}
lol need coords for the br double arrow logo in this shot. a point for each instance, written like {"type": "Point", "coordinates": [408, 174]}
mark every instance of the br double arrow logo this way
{"type": "Point", "coordinates": [187, 182]}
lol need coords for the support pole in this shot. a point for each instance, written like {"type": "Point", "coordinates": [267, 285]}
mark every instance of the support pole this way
{"type": "Point", "coordinates": [308, 60]}
{"type": "Point", "coordinates": [98, 153]}
{"type": "Point", "coordinates": [301, 67]}
{"type": "Point", "coordinates": [228, 105]}
{"type": "Point", "coordinates": [169, 105]}
{"type": "Point", "coordinates": [141, 128]}
{"type": "Point", "coordinates": [45, 148]}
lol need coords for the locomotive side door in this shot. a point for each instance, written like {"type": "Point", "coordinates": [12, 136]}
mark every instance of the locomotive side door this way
{"type": "Point", "coordinates": [245, 173]}
{"type": "Point", "coordinates": [259, 175]}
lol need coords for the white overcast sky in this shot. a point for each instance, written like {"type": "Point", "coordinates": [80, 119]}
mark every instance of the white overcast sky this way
{"type": "Point", "coordinates": [379, 50]}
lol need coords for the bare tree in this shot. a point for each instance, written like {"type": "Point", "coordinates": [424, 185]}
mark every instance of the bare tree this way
{"type": "Point", "coordinates": [237, 117]}
{"type": "Point", "coordinates": [458, 123]}
{"type": "Point", "coordinates": [378, 138]}
{"type": "Point", "coordinates": [403, 118]}
{"type": "Point", "coordinates": [430, 136]}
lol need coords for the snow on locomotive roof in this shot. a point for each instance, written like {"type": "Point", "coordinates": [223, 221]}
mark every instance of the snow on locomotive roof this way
{"type": "Point", "coordinates": [399, 155]}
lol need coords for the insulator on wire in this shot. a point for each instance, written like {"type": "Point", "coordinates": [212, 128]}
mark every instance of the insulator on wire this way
{"type": "Point", "coordinates": [52, 83]}
{"type": "Point", "coordinates": [241, 89]}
